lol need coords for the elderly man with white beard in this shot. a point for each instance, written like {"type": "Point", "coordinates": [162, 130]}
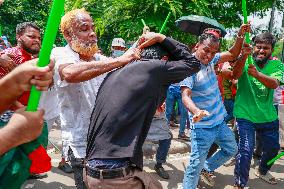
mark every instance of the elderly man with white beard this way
{"type": "Point", "coordinates": [79, 72]}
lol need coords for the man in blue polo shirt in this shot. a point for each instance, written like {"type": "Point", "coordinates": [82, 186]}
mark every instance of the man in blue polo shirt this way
{"type": "Point", "coordinates": [202, 98]}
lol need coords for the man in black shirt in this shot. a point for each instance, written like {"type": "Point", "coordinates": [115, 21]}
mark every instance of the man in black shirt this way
{"type": "Point", "coordinates": [125, 106]}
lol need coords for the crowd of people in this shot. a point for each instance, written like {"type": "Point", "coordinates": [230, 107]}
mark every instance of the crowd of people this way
{"type": "Point", "coordinates": [108, 106]}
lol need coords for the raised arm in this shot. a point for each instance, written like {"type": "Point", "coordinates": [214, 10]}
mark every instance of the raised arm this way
{"type": "Point", "coordinates": [235, 50]}
{"type": "Point", "coordinates": [83, 71]}
{"type": "Point", "coordinates": [240, 63]}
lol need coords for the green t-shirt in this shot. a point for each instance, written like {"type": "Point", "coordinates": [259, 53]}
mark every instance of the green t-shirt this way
{"type": "Point", "coordinates": [254, 101]}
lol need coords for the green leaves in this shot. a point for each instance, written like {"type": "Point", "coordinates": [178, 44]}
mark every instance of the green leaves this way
{"type": "Point", "coordinates": [122, 18]}
{"type": "Point", "coordinates": [13, 12]}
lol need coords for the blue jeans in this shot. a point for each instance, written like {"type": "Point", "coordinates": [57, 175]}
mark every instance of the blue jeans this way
{"type": "Point", "coordinates": [170, 102]}
{"type": "Point", "coordinates": [163, 149]}
{"type": "Point", "coordinates": [229, 106]}
{"type": "Point", "coordinates": [201, 141]}
{"type": "Point", "coordinates": [269, 139]}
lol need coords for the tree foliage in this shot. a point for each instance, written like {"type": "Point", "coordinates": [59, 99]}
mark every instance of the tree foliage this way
{"type": "Point", "coordinates": [122, 18]}
{"type": "Point", "coordinates": [13, 12]}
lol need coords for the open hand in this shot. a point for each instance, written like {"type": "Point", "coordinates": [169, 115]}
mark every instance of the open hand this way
{"type": "Point", "coordinates": [150, 38]}
{"type": "Point", "coordinates": [130, 55]}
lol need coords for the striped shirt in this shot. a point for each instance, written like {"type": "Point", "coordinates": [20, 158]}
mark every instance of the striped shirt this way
{"type": "Point", "coordinates": [206, 95]}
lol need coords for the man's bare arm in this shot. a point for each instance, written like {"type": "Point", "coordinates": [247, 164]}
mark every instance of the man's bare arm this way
{"type": "Point", "coordinates": [267, 81]}
{"type": "Point", "coordinates": [240, 63]}
{"type": "Point", "coordinates": [235, 50]}
{"type": "Point", "coordinates": [83, 71]}
{"type": "Point", "coordinates": [190, 105]}
{"type": "Point", "coordinates": [23, 127]}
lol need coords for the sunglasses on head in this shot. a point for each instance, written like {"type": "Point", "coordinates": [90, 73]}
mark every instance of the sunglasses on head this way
{"type": "Point", "coordinates": [213, 31]}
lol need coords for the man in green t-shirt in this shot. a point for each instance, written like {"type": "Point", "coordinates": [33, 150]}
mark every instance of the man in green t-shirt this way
{"type": "Point", "coordinates": [254, 108]}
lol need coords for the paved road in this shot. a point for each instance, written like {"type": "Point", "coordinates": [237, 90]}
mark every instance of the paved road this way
{"type": "Point", "coordinates": [56, 179]}
{"type": "Point", "coordinates": [176, 165]}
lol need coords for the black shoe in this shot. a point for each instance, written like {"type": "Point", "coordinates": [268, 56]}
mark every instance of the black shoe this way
{"type": "Point", "coordinates": [172, 124]}
{"type": "Point", "coordinates": [65, 167]}
{"type": "Point", "coordinates": [183, 137]}
{"type": "Point", "coordinates": [38, 176]}
{"type": "Point", "coordinates": [161, 172]}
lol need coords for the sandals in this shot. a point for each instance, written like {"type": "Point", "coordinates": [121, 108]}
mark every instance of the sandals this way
{"type": "Point", "coordinates": [267, 178]}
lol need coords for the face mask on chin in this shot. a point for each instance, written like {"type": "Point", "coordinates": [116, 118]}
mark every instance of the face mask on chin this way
{"type": "Point", "coordinates": [117, 53]}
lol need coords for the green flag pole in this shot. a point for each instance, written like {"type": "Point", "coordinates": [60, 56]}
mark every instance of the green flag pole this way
{"type": "Point", "coordinates": [245, 15]}
{"type": "Point", "coordinates": [48, 41]}
{"type": "Point", "coordinates": [276, 158]}
{"type": "Point", "coordinates": [144, 24]}
{"type": "Point", "coordinates": [0, 30]}
{"type": "Point", "coordinates": [165, 22]}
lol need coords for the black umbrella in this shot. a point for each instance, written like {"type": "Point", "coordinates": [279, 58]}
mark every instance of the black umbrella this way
{"type": "Point", "coordinates": [195, 24]}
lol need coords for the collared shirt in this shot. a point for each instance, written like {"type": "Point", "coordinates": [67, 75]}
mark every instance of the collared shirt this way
{"type": "Point", "coordinates": [20, 56]}
{"type": "Point", "coordinates": [75, 102]}
{"type": "Point", "coordinates": [206, 95]}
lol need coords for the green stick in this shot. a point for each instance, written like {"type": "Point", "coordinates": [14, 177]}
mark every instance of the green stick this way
{"type": "Point", "coordinates": [0, 30]}
{"type": "Point", "coordinates": [245, 15]}
{"type": "Point", "coordinates": [165, 22]}
{"type": "Point", "coordinates": [48, 40]}
{"type": "Point", "coordinates": [276, 158]}
{"type": "Point", "coordinates": [143, 22]}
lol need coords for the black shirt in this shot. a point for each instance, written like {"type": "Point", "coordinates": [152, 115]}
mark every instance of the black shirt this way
{"type": "Point", "coordinates": [127, 101]}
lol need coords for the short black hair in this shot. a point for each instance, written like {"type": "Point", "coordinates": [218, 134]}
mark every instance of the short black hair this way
{"type": "Point", "coordinates": [155, 51]}
{"type": "Point", "coordinates": [23, 26]}
{"type": "Point", "coordinates": [204, 36]}
{"type": "Point", "coordinates": [265, 37]}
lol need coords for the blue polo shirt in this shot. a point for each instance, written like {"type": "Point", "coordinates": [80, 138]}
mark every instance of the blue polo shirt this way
{"type": "Point", "coordinates": [206, 95]}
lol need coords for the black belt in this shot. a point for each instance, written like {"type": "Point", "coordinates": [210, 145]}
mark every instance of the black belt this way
{"type": "Point", "coordinates": [108, 173]}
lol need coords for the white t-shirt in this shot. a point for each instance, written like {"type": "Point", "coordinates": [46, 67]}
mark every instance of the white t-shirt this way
{"type": "Point", "coordinates": [75, 102]}
{"type": "Point", "coordinates": [49, 103]}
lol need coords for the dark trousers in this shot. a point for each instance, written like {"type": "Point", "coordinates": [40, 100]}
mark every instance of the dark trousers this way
{"type": "Point", "coordinates": [77, 166]}
{"type": "Point", "coordinates": [258, 147]}
{"type": "Point", "coordinates": [269, 138]}
{"type": "Point", "coordinates": [163, 149]}
{"type": "Point", "coordinates": [229, 106]}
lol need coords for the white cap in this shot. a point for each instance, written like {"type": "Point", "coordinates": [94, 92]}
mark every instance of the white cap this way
{"type": "Point", "coordinates": [118, 42]}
